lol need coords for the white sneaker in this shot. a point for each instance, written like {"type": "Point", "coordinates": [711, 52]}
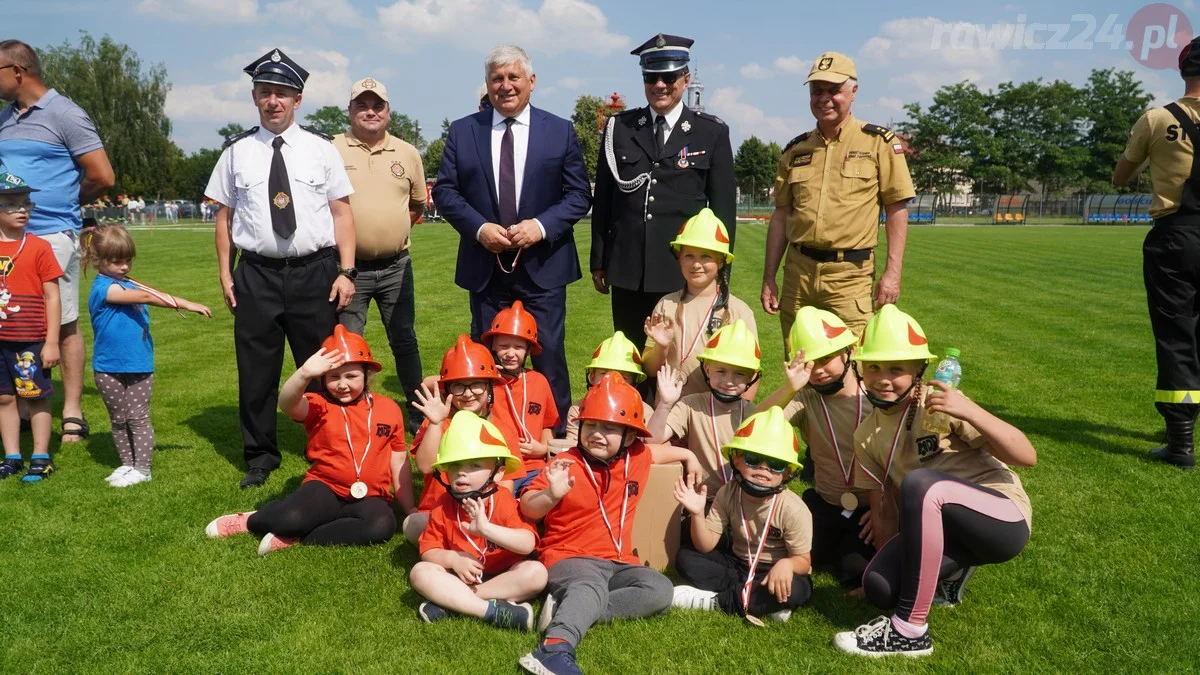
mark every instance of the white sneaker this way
{"type": "Point", "coordinates": [781, 616]}
{"type": "Point", "coordinates": [121, 471]}
{"type": "Point", "coordinates": [690, 597]}
{"type": "Point", "coordinates": [131, 477]}
{"type": "Point", "coordinates": [547, 614]}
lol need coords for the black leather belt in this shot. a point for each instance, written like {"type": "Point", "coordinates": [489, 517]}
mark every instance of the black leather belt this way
{"type": "Point", "coordinates": [280, 263]}
{"type": "Point", "coordinates": [379, 263]}
{"type": "Point", "coordinates": [827, 255]}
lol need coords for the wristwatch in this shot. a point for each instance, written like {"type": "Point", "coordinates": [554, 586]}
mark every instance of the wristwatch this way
{"type": "Point", "coordinates": [349, 272]}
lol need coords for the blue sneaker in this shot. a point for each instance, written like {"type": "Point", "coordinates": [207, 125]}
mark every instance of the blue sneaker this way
{"type": "Point", "coordinates": [512, 615]}
{"type": "Point", "coordinates": [11, 467]}
{"type": "Point", "coordinates": [39, 469]}
{"type": "Point", "coordinates": [555, 659]}
{"type": "Point", "coordinates": [430, 612]}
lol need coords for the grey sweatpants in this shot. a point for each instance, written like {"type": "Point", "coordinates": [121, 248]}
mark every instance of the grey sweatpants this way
{"type": "Point", "coordinates": [588, 590]}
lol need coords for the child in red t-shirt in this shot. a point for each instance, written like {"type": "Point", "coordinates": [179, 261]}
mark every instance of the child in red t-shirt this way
{"type": "Point", "coordinates": [29, 323]}
{"type": "Point", "coordinates": [587, 499]}
{"type": "Point", "coordinates": [479, 566]}
{"type": "Point", "coordinates": [525, 395]}
{"type": "Point", "coordinates": [345, 498]}
{"type": "Point", "coordinates": [468, 379]}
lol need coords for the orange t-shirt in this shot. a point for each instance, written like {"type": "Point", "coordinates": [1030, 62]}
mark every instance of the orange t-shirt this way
{"type": "Point", "coordinates": [433, 490]}
{"type": "Point", "coordinates": [328, 456]}
{"type": "Point", "coordinates": [30, 264]}
{"type": "Point", "coordinates": [575, 527]}
{"type": "Point", "coordinates": [444, 531]}
{"type": "Point", "coordinates": [527, 397]}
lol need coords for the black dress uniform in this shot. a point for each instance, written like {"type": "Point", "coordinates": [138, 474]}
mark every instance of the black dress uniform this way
{"type": "Point", "coordinates": [278, 188]}
{"type": "Point", "coordinates": [1171, 259]}
{"type": "Point", "coordinates": [644, 195]}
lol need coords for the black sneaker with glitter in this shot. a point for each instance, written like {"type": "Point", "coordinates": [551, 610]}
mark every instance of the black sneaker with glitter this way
{"type": "Point", "coordinates": [11, 467]}
{"type": "Point", "coordinates": [880, 638]}
{"type": "Point", "coordinates": [950, 590]}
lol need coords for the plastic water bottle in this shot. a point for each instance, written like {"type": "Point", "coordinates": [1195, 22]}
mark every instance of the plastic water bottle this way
{"type": "Point", "coordinates": [950, 372]}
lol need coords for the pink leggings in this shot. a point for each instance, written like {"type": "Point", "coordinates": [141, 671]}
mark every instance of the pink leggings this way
{"type": "Point", "coordinates": [946, 524]}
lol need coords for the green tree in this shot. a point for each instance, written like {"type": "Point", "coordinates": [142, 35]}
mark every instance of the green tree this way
{"type": "Point", "coordinates": [126, 102]}
{"type": "Point", "coordinates": [329, 119]}
{"type": "Point", "coordinates": [1113, 101]}
{"type": "Point", "coordinates": [431, 159]}
{"type": "Point", "coordinates": [753, 168]}
{"type": "Point", "coordinates": [584, 119]}
{"type": "Point", "coordinates": [231, 129]}
{"type": "Point", "coordinates": [192, 173]}
{"type": "Point", "coordinates": [401, 126]}
{"type": "Point", "coordinates": [445, 129]}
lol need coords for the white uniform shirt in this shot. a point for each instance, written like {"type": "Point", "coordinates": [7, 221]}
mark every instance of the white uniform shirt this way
{"type": "Point", "coordinates": [317, 174]}
{"type": "Point", "coordinates": [672, 118]}
{"type": "Point", "coordinates": [520, 129]}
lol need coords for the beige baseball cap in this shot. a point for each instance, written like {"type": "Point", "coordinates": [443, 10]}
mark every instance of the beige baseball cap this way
{"type": "Point", "coordinates": [832, 67]}
{"type": "Point", "coordinates": [369, 84]}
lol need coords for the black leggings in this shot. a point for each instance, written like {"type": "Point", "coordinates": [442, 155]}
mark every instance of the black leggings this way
{"type": "Point", "coordinates": [723, 572]}
{"type": "Point", "coordinates": [946, 524]}
{"type": "Point", "coordinates": [317, 516]}
{"type": "Point", "coordinates": [835, 541]}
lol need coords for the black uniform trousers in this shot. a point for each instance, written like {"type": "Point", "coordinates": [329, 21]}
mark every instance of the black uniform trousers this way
{"type": "Point", "coordinates": [835, 541]}
{"type": "Point", "coordinates": [630, 310]}
{"type": "Point", "coordinates": [725, 573]}
{"type": "Point", "coordinates": [276, 299]}
{"type": "Point", "coordinates": [549, 308]}
{"type": "Point", "coordinates": [1171, 270]}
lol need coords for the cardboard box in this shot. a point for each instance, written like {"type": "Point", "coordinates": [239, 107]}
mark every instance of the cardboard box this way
{"type": "Point", "coordinates": [656, 526]}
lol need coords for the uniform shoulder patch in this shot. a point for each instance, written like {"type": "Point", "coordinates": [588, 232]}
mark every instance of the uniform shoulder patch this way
{"type": "Point", "coordinates": [316, 132]}
{"type": "Point", "coordinates": [230, 140]}
{"type": "Point", "coordinates": [876, 130]}
{"type": "Point", "coordinates": [799, 139]}
{"type": "Point", "coordinates": [712, 118]}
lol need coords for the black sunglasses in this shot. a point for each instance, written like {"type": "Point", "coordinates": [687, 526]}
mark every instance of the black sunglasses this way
{"type": "Point", "coordinates": [667, 78]}
{"type": "Point", "coordinates": [753, 459]}
{"type": "Point", "coordinates": [14, 66]}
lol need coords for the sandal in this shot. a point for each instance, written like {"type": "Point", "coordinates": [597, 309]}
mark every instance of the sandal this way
{"type": "Point", "coordinates": [39, 470]}
{"type": "Point", "coordinates": [82, 429]}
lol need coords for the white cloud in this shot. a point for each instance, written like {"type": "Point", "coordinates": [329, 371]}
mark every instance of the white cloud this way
{"type": "Point", "coordinates": [570, 82]}
{"type": "Point", "coordinates": [932, 53]}
{"type": "Point", "coordinates": [557, 26]}
{"type": "Point", "coordinates": [754, 71]}
{"type": "Point", "coordinates": [337, 12]}
{"type": "Point", "coordinates": [890, 103]}
{"type": "Point", "coordinates": [206, 11]}
{"type": "Point", "coordinates": [750, 120]}
{"type": "Point", "coordinates": [792, 65]}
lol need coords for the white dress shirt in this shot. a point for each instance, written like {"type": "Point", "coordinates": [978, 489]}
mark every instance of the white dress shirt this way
{"type": "Point", "coordinates": [317, 175]}
{"type": "Point", "coordinates": [520, 130]}
{"type": "Point", "coordinates": [672, 117]}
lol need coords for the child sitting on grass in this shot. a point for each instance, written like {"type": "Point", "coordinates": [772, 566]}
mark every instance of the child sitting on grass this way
{"type": "Point", "coordinates": [29, 323]}
{"type": "Point", "coordinates": [475, 548]}
{"type": "Point", "coordinates": [355, 451]}
{"type": "Point", "coordinates": [122, 349]}
{"type": "Point", "coordinates": [960, 506]}
{"type": "Point", "coordinates": [587, 500]}
{"type": "Point", "coordinates": [524, 396]}
{"type": "Point", "coordinates": [616, 354]}
{"type": "Point", "coordinates": [767, 572]}
{"type": "Point", "coordinates": [683, 321]}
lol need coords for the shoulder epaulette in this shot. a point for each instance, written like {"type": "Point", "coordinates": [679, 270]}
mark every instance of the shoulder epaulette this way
{"type": "Point", "coordinates": [630, 111]}
{"type": "Point", "coordinates": [316, 132]}
{"type": "Point", "coordinates": [237, 137]}
{"type": "Point", "coordinates": [877, 130]}
{"type": "Point", "coordinates": [713, 118]}
{"type": "Point", "coordinates": [799, 139]}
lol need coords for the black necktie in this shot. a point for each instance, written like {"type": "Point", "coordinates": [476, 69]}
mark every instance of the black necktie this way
{"type": "Point", "coordinates": [508, 177]}
{"type": "Point", "coordinates": [283, 212]}
{"type": "Point", "coordinates": [660, 133]}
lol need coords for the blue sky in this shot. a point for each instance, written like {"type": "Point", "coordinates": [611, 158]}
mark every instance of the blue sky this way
{"type": "Point", "coordinates": [752, 57]}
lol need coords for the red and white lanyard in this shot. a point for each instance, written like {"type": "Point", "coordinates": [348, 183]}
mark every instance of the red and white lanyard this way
{"type": "Point", "coordinates": [482, 552]}
{"type": "Point", "coordinates": [518, 416]}
{"type": "Point", "coordinates": [895, 441]}
{"type": "Point", "coordinates": [699, 330]}
{"type": "Point", "coordinates": [358, 464]}
{"type": "Point", "coordinates": [513, 268]}
{"type": "Point", "coordinates": [11, 263]}
{"type": "Point", "coordinates": [847, 473]}
{"type": "Point", "coordinates": [757, 554]}
{"type": "Point", "coordinates": [617, 539]}
{"type": "Point", "coordinates": [726, 470]}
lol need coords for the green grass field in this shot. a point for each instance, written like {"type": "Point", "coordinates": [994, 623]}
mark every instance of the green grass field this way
{"type": "Point", "coordinates": [1055, 339]}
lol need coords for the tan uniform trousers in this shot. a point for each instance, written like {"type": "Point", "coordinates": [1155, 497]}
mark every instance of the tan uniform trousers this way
{"type": "Point", "coordinates": [843, 288]}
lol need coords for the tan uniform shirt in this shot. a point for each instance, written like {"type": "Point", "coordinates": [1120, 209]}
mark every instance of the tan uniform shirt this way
{"type": "Point", "coordinates": [689, 320]}
{"type": "Point", "coordinates": [805, 412]}
{"type": "Point", "coordinates": [960, 453]}
{"type": "Point", "coordinates": [572, 430]}
{"type": "Point", "coordinates": [791, 526]}
{"type": "Point", "coordinates": [706, 424]}
{"type": "Point", "coordinates": [387, 182]}
{"type": "Point", "coordinates": [1157, 136]}
{"type": "Point", "coordinates": [833, 187]}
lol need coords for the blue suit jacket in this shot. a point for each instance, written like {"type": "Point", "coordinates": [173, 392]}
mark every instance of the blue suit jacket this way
{"type": "Point", "coordinates": [554, 190]}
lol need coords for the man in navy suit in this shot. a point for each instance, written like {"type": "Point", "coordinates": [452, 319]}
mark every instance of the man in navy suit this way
{"type": "Point", "coordinates": [513, 183]}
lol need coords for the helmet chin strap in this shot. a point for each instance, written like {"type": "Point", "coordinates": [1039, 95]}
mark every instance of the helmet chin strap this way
{"type": "Point", "coordinates": [834, 386]}
{"type": "Point", "coordinates": [596, 461]}
{"type": "Point", "coordinates": [722, 396]}
{"type": "Point", "coordinates": [755, 490]}
{"type": "Point", "coordinates": [486, 490]}
{"type": "Point", "coordinates": [883, 404]}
